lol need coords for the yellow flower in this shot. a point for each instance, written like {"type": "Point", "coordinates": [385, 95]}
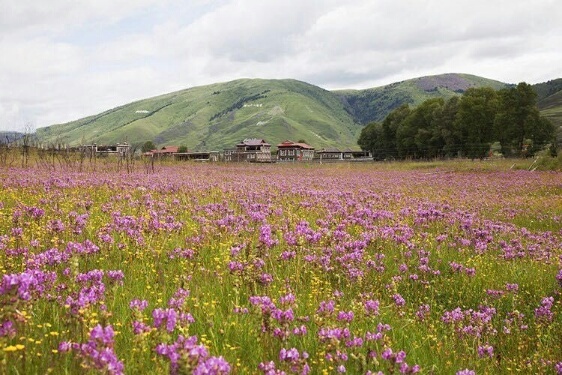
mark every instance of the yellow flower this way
{"type": "Point", "coordinates": [10, 348]}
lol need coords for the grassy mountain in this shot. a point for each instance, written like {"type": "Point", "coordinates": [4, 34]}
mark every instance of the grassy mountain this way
{"type": "Point", "coordinates": [549, 96]}
{"type": "Point", "coordinates": [375, 103]}
{"type": "Point", "coordinates": [220, 115]}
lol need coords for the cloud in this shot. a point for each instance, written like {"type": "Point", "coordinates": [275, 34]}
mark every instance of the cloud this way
{"type": "Point", "coordinates": [64, 59]}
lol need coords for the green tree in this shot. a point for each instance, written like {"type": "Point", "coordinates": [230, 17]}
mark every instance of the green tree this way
{"type": "Point", "coordinates": [444, 128]}
{"type": "Point", "coordinates": [474, 123]}
{"type": "Point", "coordinates": [182, 149]}
{"type": "Point", "coordinates": [148, 146]}
{"type": "Point", "coordinates": [518, 124]}
{"type": "Point", "coordinates": [371, 139]}
{"type": "Point", "coordinates": [389, 128]}
{"type": "Point", "coordinates": [414, 135]}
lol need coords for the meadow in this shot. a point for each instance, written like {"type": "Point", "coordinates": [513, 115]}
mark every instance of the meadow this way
{"type": "Point", "coordinates": [281, 269]}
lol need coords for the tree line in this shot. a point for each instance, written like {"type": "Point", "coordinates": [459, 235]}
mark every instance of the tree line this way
{"type": "Point", "coordinates": [473, 125]}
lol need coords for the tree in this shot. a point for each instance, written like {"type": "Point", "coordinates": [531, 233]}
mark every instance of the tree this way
{"type": "Point", "coordinates": [443, 127]}
{"type": "Point", "coordinates": [518, 124]}
{"type": "Point", "coordinates": [371, 139]}
{"type": "Point", "coordinates": [182, 149]}
{"type": "Point", "coordinates": [474, 122]}
{"type": "Point", "coordinates": [148, 146]}
{"type": "Point", "coordinates": [414, 134]}
{"type": "Point", "coordinates": [389, 128]}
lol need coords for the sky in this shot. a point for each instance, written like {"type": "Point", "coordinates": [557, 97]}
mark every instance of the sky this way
{"type": "Point", "coordinates": [61, 60]}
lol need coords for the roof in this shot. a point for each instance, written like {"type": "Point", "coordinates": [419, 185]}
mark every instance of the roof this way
{"type": "Point", "coordinates": [254, 142]}
{"type": "Point", "coordinates": [166, 150]}
{"type": "Point", "coordinates": [330, 150]}
{"type": "Point", "coordinates": [294, 144]}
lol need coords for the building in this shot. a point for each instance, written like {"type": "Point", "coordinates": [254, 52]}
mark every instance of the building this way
{"type": "Point", "coordinates": [200, 156]}
{"type": "Point", "coordinates": [165, 151]}
{"type": "Point", "coordinates": [120, 149]}
{"type": "Point", "coordinates": [294, 151]}
{"type": "Point", "coordinates": [251, 150]}
{"type": "Point", "coordinates": [333, 155]}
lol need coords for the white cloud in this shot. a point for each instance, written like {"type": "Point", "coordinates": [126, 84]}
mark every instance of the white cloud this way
{"type": "Point", "coordinates": [65, 59]}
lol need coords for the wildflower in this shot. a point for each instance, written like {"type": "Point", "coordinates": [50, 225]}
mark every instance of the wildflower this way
{"type": "Point", "coordinates": [543, 312]}
{"type": "Point", "coordinates": [486, 351]}
{"type": "Point", "coordinates": [371, 307]}
{"type": "Point", "coordinates": [139, 305]}
{"type": "Point", "coordinates": [466, 372]}
{"type": "Point", "coordinates": [168, 315]}
{"type": "Point", "coordinates": [345, 316]}
{"type": "Point", "coordinates": [7, 329]}
{"type": "Point", "coordinates": [398, 300]}
{"type": "Point", "coordinates": [116, 276]}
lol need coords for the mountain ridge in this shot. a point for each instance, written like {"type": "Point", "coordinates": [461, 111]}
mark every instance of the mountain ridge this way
{"type": "Point", "coordinates": [219, 115]}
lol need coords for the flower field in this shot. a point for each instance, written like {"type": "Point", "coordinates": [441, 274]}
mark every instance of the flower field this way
{"type": "Point", "coordinates": [271, 269]}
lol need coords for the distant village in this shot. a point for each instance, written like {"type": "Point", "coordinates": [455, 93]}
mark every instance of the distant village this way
{"type": "Point", "coordinates": [251, 150]}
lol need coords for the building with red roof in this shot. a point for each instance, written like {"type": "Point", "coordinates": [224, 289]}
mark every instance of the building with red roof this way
{"type": "Point", "coordinates": [294, 151]}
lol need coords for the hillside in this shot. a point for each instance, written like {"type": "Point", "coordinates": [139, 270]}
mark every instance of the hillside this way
{"type": "Point", "coordinates": [217, 116]}
{"type": "Point", "coordinates": [549, 96]}
{"type": "Point", "coordinates": [375, 103]}
{"type": "Point", "coordinates": [220, 115]}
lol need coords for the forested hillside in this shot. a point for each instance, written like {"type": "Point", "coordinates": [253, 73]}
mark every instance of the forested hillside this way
{"type": "Point", "coordinates": [481, 122]}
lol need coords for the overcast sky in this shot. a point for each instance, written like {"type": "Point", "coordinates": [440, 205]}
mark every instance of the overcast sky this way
{"type": "Point", "coordinates": [61, 60]}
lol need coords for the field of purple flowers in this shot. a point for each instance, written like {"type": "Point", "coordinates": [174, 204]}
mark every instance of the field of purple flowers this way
{"type": "Point", "coordinates": [324, 269]}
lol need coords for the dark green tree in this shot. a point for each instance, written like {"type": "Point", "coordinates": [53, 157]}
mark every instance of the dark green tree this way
{"type": "Point", "coordinates": [371, 140]}
{"type": "Point", "coordinates": [444, 129]}
{"type": "Point", "coordinates": [413, 136]}
{"type": "Point", "coordinates": [474, 122]}
{"type": "Point", "coordinates": [182, 149]}
{"type": "Point", "coordinates": [518, 124]}
{"type": "Point", "coordinates": [389, 128]}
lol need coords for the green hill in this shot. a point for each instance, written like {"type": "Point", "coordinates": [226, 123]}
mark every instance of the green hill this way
{"type": "Point", "coordinates": [550, 100]}
{"type": "Point", "coordinates": [218, 116]}
{"type": "Point", "coordinates": [374, 104]}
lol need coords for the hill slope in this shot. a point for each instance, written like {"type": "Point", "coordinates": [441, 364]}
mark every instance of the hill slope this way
{"type": "Point", "coordinates": [218, 116]}
{"type": "Point", "coordinates": [549, 96]}
{"type": "Point", "coordinates": [375, 104]}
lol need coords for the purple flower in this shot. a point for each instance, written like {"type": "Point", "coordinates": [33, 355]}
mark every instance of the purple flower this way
{"type": "Point", "coordinates": [212, 366]}
{"type": "Point", "coordinates": [167, 315]}
{"type": "Point", "coordinates": [371, 307]}
{"type": "Point", "coordinates": [140, 327]}
{"type": "Point", "coordinates": [116, 276]}
{"type": "Point", "coordinates": [543, 313]}
{"type": "Point", "coordinates": [7, 329]}
{"type": "Point", "coordinates": [103, 335]}
{"type": "Point", "coordinates": [398, 300]}
{"type": "Point", "coordinates": [138, 304]}
{"type": "Point", "coordinates": [345, 316]}
{"type": "Point", "coordinates": [486, 351]}
{"type": "Point", "coordinates": [465, 372]}
{"type": "Point", "coordinates": [326, 307]}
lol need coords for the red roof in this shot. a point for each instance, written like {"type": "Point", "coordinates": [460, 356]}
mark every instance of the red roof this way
{"type": "Point", "coordinates": [166, 150]}
{"type": "Point", "coordinates": [291, 144]}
